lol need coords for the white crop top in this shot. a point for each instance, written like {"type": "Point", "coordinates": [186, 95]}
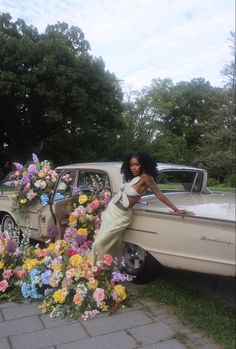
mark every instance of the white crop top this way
{"type": "Point", "coordinates": [125, 191]}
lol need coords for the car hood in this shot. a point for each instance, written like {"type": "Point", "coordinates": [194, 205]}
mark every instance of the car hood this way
{"type": "Point", "coordinates": [215, 205]}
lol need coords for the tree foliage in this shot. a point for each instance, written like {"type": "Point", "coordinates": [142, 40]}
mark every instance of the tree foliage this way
{"type": "Point", "coordinates": [52, 90]}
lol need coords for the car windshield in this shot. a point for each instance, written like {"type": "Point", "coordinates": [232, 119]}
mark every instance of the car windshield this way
{"type": "Point", "coordinates": [179, 181]}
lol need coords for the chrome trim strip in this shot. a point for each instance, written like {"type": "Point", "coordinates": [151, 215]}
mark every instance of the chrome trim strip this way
{"type": "Point", "coordinates": [190, 257]}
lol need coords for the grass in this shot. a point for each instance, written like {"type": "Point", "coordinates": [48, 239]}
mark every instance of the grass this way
{"type": "Point", "coordinates": [222, 188]}
{"type": "Point", "coordinates": [196, 309]}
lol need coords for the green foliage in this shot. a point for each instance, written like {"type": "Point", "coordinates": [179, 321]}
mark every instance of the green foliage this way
{"type": "Point", "coordinates": [232, 180]}
{"type": "Point", "coordinates": [211, 182]}
{"type": "Point", "coordinates": [196, 308]}
{"type": "Point", "coordinates": [50, 87]}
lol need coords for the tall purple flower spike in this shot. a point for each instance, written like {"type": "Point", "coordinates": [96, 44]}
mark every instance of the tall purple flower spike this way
{"type": "Point", "coordinates": [35, 158]}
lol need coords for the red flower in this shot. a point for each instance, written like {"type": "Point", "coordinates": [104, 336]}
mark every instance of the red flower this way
{"type": "Point", "coordinates": [71, 252]}
{"type": "Point", "coordinates": [116, 307]}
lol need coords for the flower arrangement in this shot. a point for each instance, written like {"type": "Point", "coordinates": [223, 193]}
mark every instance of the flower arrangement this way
{"type": "Point", "coordinates": [85, 218]}
{"type": "Point", "coordinates": [11, 260]}
{"type": "Point", "coordinates": [35, 181]}
{"type": "Point", "coordinates": [62, 278]}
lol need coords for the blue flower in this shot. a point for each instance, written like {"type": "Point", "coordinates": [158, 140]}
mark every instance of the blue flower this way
{"type": "Point", "coordinates": [34, 293]}
{"type": "Point", "coordinates": [46, 276]}
{"type": "Point", "coordinates": [59, 196]}
{"type": "Point", "coordinates": [25, 290]}
{"type": "Point", "coordinates": [34, 272]}
{"type": "Point", "coordinates": [44, 199]}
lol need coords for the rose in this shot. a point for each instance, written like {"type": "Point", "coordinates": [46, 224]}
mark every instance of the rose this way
{"type": "Point", "coordinates": [3, 285]}
{"type": "Point", "coordinates": [119, 293]}
{"type": "Point", "coordinates": [107, 259]}
{"type": "Point", "coordinates": [78, 299]}
{"type": "Point", "coordinates": [82, 199]}
{"type": "Point", "coordinates": [21, 273]}
{"type": "Point", "coordinates": [82, 231]}
{"type": "Point", "coordinates": [60, 295]}
{"type": "Point", "coordinates": [92, 284]}
{"type": "Point", "coordinates": [75, 260]}
{"type": "Point", "coordinates": [99, 295]}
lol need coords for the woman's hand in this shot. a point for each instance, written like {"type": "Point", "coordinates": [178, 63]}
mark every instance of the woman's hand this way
{"type": "Point", "coordinates": [183, 213]}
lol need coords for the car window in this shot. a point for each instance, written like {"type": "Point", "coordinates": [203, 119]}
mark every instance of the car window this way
{"type": "Point", "coordinates": [177, 181]}
{"type": "Point", "coordinates": [89, 180]}
{"type": "Point", "coordinates": [65, 185]}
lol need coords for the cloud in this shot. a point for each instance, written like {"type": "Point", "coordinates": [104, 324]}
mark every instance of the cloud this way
{"type": "Point", "coordinates": [140, 40]}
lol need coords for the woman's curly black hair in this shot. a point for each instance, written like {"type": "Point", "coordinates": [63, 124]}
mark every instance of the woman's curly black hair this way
{"type": "Point", "coordinates": [148, 164]}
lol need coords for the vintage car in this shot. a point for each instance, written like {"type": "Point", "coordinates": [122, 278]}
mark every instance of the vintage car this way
{"type": "Point", "coordinates": [157, 237]}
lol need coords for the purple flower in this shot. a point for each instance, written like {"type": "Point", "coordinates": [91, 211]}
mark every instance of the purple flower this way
{"type": "Point", "coordinates": [77, 191]}
{"type": "Point", "coordinates": [32, 170]}
{"type": "Point", "coordinates": [35, 158]}
{"type": "Point", "coordinates": [11, 246]}
{"type": "Point", "coordinates": [80, 239]}
{"type": "Point", "coordinates": [118, 277]}
{"type": "Point", "coordinates": [25, 180]}
{"type": "Point", "coordinates": [18, 166]}
{"type": "Point", "coordinates": [9, 184]}
{"type": "Point", "coordinates": [53, 231]}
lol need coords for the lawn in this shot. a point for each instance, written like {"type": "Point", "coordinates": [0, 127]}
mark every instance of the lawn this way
{"type": "Point", "coordinates": [195, 308]}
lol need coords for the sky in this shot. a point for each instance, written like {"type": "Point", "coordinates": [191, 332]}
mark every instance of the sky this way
{"type": "Point", "coordinates": [140, 40]}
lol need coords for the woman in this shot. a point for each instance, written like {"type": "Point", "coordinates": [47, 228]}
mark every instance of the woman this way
{"type": "Point", "coordinates": [140, 173]}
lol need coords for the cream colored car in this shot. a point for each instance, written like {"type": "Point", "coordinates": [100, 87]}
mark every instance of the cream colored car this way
{"type": "Point", "coordinates": [202, 243]}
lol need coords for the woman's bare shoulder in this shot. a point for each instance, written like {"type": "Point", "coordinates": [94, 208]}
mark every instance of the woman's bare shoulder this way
{"type": "Point", "coordinates": [147, 178]}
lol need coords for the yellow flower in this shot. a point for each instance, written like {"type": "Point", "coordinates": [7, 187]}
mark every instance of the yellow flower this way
{"type": "Point", "coordinates": [23, 201]}
{"type": "Point", "coordinates": [82, 199]}
{"type": "Point", "coordinates": [41, 174]}
{"type": "Point", "coordinates": [82, 231]}
{"type": "Point", "coordinates": [60, 295]}
{"type": "Point", "coordinates": [121, 292]}
{"type": "Point", "coordinates": [30, 263]}
{"type": "Point", "coordinates": [60, 246]}
{"type": "Point", "coordinates": [1, 265]}
{"type": "Point", "coordinates": [75, 260]}
{"type": "Point", "coordinates": [56, 267]}
{"type": "Point", "coordinates": [72, 220]}
{"type": "Point", "coordinates": [52, 247]}
{"type": "Point", "coordinates": [92, 284]}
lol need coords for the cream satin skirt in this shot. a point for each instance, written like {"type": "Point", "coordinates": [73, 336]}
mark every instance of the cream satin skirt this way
{"type": "Point", "coordinates": [109, 237]}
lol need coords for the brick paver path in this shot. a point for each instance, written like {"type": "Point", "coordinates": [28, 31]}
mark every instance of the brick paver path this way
{"type": "Point", "coordinates": [145, 324]}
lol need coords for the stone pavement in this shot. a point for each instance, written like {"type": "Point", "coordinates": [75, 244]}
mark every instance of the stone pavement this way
{"type": "Point", "coordinates": [146, 324]}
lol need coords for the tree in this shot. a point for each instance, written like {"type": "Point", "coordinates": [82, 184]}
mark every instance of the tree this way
{"type": "Point", "coordinates": [51, 87]}
{"type": "Point", "coordinates": [217, 147]}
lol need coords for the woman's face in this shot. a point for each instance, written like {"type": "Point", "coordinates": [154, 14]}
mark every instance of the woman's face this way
{"type": "Point", "coordinates": [135, 166]}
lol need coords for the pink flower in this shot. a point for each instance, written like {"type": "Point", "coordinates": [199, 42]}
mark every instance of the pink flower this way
{"type": "Point", "coordinates": [3, 285]}
{"type": "Point", "coordinates": [66, 282]}
{"type": "Point", "coordinates": [99, 295]}
{"type": "Point", "coordinates": [7, 273]}
{"type": "Point", "coordinates": [94, 205]}
{"type": "Point", "coordinates": [21, 273]}
{"type": "Point", "coordinates": [108, 259]}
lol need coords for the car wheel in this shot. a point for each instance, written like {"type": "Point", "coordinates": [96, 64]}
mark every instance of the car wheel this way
{"type": "Point", "coordinates": [9, 227]}
{"type": "Point", "coordinates": [140, 264]}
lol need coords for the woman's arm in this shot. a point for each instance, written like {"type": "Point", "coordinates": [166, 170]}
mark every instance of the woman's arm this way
{"type": "Point", "coordinates": [152, 185]}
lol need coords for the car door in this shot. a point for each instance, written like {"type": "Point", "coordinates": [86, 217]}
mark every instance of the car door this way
{"type": "Point", "coordinates": [64, 195]}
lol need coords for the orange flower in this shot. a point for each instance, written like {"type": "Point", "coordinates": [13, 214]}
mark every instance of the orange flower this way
{"type": "Point", "coordinates": [78, 299]}
{"type": "Point", "coordinates": [72, 220]}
